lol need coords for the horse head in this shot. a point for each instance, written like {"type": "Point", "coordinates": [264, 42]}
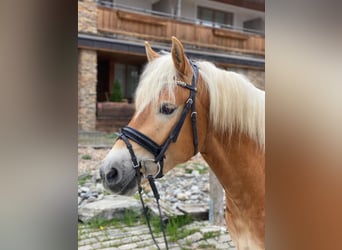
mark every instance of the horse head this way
{"type": "Point", "coordinates": [162, 132]}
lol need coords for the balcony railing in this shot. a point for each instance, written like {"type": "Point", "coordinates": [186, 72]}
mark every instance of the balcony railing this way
{"type": "Point", "coordinates": [150, 25]}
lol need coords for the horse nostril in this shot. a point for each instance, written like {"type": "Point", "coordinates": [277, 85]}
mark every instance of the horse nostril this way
{"type": "Point", "coordinates": [112, 175]}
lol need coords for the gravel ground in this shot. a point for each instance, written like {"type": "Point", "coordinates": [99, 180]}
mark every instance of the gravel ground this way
{"type": "Point", "coordinates": [89, 164]}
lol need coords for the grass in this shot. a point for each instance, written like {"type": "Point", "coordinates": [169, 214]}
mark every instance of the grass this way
{"type": "Point", "coordinates": [209, 235]}
{"type": "Point", "coordinates": [206, 246]}
{"type": "Point", "coordinates": [83, 179]}
{"type": "Point", "coordinates": [173, 227]}
{"type": "Point", "coordinates": [130, 218]}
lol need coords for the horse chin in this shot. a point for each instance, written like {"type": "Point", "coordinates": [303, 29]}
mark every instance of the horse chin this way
{"type": "Point", "coordinates": [127, 187]}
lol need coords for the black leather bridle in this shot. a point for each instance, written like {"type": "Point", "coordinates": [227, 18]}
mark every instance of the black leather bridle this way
{"type": "Point", "coordinates": [158, 151]}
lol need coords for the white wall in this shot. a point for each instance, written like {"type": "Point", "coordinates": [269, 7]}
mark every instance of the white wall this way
{"type": "Point", "coordinates": [143, 4]}
{"type": "Point", "coordinates": [189, 9]}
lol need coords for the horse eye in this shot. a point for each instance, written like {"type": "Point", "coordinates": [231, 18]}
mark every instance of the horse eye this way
{"type": "Point", "coordinates": [167, 108]}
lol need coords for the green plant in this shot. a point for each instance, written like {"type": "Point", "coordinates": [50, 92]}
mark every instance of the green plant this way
{"type": "Point", "coordinates": [116, 95]}
{"type": "Point", "coordinates": [173, 227]}
{"type": "Point", "coordinates": [86, 157]}
{"type": "Point", "coordinates": [206, 246]}
{"type": "Point", "coordinates": [111, 136]}
{"type": "Point", "coordinates": [83, 179]}
{"type": "Point", "coordinates": [209, 235]}
{"type": "Point", "coordinates": [100, 223]}
{"type": "Point", "coordinates": [130, 217]}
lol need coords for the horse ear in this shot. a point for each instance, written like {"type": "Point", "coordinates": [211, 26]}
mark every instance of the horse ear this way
{"type": "Point", "coordinates": [150, 53]}
{"type": "Point", "coordinates": [178, 57]}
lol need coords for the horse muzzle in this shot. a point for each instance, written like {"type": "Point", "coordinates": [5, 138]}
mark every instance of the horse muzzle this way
{"type": "Point", "coordinates": [119, 177]}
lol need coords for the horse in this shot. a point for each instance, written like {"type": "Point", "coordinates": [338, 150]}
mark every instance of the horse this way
{"type": "Point", "coordinates": [226, 125]}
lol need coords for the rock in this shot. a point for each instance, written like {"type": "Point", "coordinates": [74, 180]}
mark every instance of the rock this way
{"type": "Point", "coordinates": [92, 199]}
{"type": "Point", "coordinates": [85, 195]}
{"type": "Point", "coordinates": [198, 211]}
{"type": "Point", "coordinates": [177, 191]}
{"type": "Point", "coordinates": [195, 189]}
{"type": "Point", "coordinates": [85, 189]}
{"type": "Point", "coordinates": [196, 173]}
{"type": "Point", "coordinates": [206, 187]}
{"type": "Point", "coordinates": [182, 196]}
{"type": "Point", "coordinates": [194, 197]}
{"type": "Point", "coordinates": [99, 188]}
{"type": "Point", "coordinates": [111, 206]}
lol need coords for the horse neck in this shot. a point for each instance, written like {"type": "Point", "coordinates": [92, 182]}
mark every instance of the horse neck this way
{"type": "Point", "coordinates": [236, 159]}
{"type": "Point", "coordinates": [238, 164]}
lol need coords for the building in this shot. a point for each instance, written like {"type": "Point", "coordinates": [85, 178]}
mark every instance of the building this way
{"type": "Point", "coordinates": [111, 53]}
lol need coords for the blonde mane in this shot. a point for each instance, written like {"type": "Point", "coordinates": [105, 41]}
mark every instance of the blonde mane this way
{"type": "Point", "coordinates": [235, 103]}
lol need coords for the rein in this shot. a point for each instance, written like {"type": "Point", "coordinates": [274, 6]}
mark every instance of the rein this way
{"type": "Point", "coordinates": [158, 151]}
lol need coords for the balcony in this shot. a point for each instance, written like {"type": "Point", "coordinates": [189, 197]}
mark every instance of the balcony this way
{"type": "Point", "coordinates": [159, 27]}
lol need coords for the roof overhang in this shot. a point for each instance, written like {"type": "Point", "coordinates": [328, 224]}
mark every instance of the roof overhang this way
{"type": "Point", "coordinates": [113, 45]}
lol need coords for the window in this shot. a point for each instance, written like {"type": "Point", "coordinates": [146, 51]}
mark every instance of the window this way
{"type": "Point", "coordinates": [128, 76]}
{"type": "Point", "coordinates": [255, 24]}
{"type": "Point", "coordinates": [210, 16]}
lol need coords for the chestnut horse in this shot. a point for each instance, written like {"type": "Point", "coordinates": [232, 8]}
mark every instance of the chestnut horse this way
{"type": "Point", "coordinates": [230, 132]}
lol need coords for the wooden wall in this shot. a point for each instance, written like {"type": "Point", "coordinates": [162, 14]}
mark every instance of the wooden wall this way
{"type": "Point", "coordinates": [153, 28]}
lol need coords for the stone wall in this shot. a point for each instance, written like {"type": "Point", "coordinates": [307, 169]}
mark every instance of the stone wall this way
{"type": "Point", "coordinates": [87, 80]}
{"type": "Point", "coordinates": [87, 16]}
{"type": "Point", "coordinates": [257, 77]}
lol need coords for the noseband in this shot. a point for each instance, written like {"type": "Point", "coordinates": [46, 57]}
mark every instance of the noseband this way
{"type": "Point", "coordinates": [158, 151]}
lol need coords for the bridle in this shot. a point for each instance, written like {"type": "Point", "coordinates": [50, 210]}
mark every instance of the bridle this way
{"type": "Point", "coordinates": [158, 151]}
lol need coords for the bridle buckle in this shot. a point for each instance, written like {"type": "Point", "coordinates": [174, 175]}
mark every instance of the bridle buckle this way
{"type": "Point", "coordinates": [147, 164]}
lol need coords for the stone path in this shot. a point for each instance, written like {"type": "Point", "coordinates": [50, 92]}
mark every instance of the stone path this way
{"type": "Point", "coordinates": [197, 235]}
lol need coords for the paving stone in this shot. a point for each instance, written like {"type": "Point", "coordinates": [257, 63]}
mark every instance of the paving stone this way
{"type": "Point", "coordinates": [224, 247]}
{"type": "Point", "coordinates": [87, 241]}
{"type": "Point", "coordinates": [194, 237]}
{"type": "Point", "coordinates": [96, 246]}
{"type": "Point", "coordinates": [128, 246]}
{"type": "Point", "coordinates": [86, 247]}
{"type": "Point", "coordinates": [224, 238]}
{"type": "Point", "coordinates": [146, 242]}
{"type": "Point", "coordinates": [111, 243]}
{"type": "Point", "coordinates": [109, 248]}
{"type": "Point", "coordinates": [211, 229]}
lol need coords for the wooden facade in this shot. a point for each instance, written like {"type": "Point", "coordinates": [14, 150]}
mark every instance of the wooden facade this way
{"type": "Point", "coordinates": [111, 44]}
{"type": "Point", "coordinates": [160, 29]}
